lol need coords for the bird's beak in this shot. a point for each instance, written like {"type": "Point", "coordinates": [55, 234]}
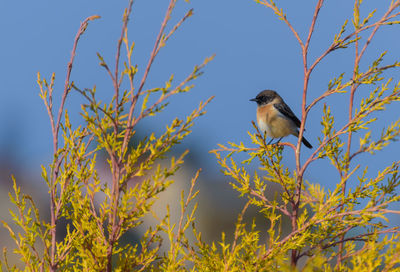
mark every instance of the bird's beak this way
{"type": "Point", "coordinates": [253, 99]}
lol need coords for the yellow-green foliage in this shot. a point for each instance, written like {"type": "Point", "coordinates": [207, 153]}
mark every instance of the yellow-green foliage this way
{"type": "Point", "coordinates": [322, 221]}
{"type": "Point", "coordinates": [99, 210]}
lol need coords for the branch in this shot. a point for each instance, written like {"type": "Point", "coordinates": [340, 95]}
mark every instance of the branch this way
{"type": "Point", "coordinates": [67, 87]}
{"type": "Point", "coordinates": [134, 98]}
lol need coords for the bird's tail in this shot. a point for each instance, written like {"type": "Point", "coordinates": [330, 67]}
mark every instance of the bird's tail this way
{"type": "Point", "coordinates": [306, 143]}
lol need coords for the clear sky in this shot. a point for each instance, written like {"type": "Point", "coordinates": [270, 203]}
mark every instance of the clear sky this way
{"type": "Point", "coordinates": [254, 51]}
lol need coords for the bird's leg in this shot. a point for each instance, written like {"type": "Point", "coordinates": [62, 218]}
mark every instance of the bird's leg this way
{"type": "Point", "coordinates": [278, 140]}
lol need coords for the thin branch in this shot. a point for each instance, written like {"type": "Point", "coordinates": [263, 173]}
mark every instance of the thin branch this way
{"type": "Point", "coordinates": [67, 87]}
{"type": "Point", "coordinates": [116, 171]}
{"type": "Point", "coordinates": [153, 54]}
{"type": "Point", "coordinates": [117, 56]}
{"type": "Point", "coordinates": [189, 197]}
{"type": "Point", "coordinates": [236, 236]}
{"type": "Point", "coordinates": [313, 223]}
{"type": "Point", "coordinates": [314, 20]}
{"type": "Point", "coordinates": [299, 180]}
{"type": "Point", "coordinates": [283, 18]}
{"type": "Point", "coordinates": [359, 237]}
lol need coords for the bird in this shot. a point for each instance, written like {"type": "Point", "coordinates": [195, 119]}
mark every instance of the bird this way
{"type": "Point", "coordinates": [275, 118]}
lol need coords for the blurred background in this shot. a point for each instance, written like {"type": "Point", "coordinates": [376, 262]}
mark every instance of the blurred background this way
{"type": "Point", "coordinates": [254, 51]}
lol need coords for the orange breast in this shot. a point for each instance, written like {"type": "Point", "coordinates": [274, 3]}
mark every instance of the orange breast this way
{"type": "Point", "coordinates": [274, 123]}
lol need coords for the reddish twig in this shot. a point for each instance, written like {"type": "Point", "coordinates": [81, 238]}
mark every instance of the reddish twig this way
{"type": "Point", "coordinates": [153, 54]}
{"type": "Point", "coordinates": [117, 57]}
{"type": "Point", "coordinates": [307, 73]}
{"type": "Point", "coordinates": [354, 87]}
{"type": "Point", "coordinates": [54, 207]}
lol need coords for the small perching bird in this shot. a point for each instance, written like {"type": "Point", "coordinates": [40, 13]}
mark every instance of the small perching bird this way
{"type": "Point", "coordinates": [275, 118]}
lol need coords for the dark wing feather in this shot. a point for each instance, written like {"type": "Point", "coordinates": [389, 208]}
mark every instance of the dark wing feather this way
{"type": "Point", "coordinates": [287, 112]}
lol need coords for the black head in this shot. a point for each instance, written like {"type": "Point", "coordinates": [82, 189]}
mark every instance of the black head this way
{"type": "Point", "coordinates": [265, 97]}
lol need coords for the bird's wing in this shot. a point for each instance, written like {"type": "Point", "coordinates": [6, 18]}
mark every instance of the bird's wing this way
{"type": "Point", "coordinates": [287, 112]}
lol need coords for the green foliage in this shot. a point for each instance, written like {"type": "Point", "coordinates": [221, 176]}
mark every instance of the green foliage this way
{"type": "Point", "coordinates": [100, 210]}
{"type": "Point", "coordinates": [303, 227]}
{"type": "Point", "coordinates": [343, 229]}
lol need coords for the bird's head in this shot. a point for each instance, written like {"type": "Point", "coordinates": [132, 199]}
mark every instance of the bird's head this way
{"type": "Point", "coordinates": [265, 97]}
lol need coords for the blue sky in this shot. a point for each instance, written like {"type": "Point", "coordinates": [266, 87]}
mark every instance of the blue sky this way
{"type": "Point", "coordinates": [254, 51]}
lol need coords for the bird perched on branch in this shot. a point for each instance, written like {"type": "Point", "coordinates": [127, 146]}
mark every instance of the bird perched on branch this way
{"type": "Point", "coordinates": [275, 118]}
